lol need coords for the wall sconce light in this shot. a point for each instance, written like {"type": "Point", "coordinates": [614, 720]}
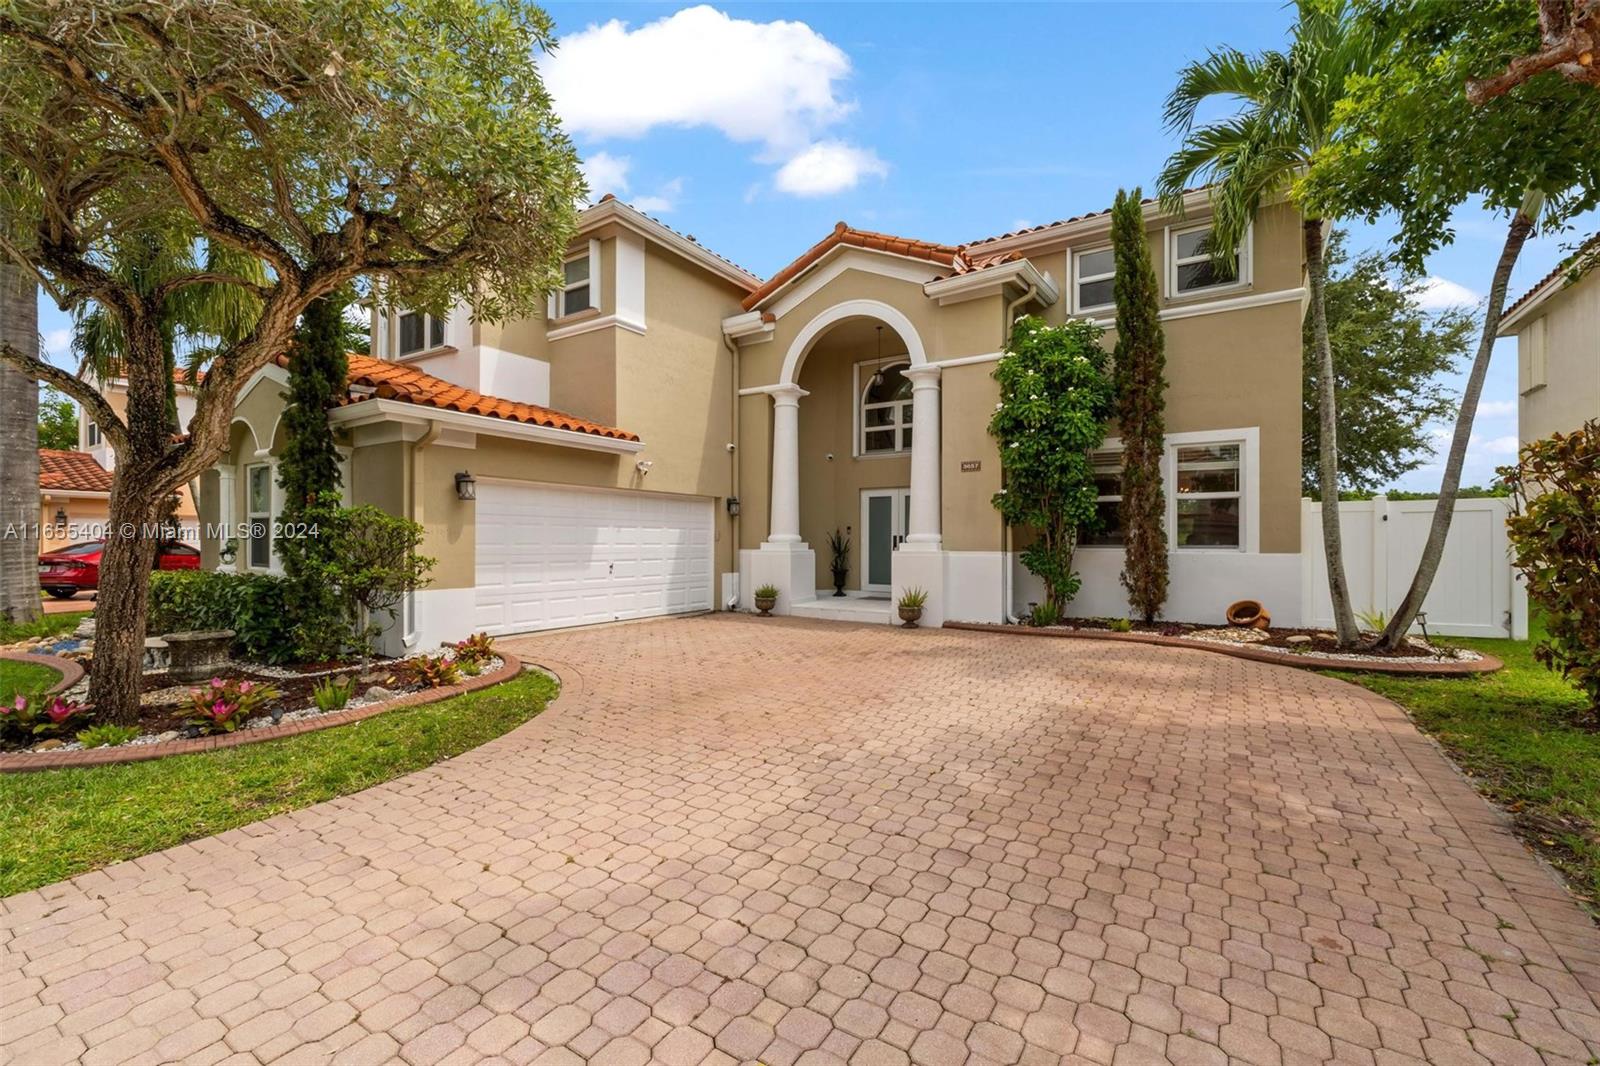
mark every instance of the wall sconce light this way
{"type": "Point", "coordinates": [733, 507]}
{"type": "Point", "coordinates": [466, 486]}
{"type": "Point", "coordinates": [643, 466]}
{"type": "Point", "coordinates": [61, 516]}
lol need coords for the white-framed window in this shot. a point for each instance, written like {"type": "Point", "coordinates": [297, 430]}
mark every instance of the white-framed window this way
{"type": "Point", "coordinates": [258, 515]}
{"type": "Point", "coordinates": [576, 288]}
{"type": "Point", "coordinates": [91, 433]}
{"type": "Point", "coordinates": [417, 332]}
{"type": "Point", "coordinates": [1191, 268]}
{"type": "Point", "coordinates": [1107, 464]}
{"type": "Point", "coordinates": [885, 410]}
{"type": "Point", "coordinates": [1094, 274]}
{"type": "Point", "coordinates": [1207, 508]}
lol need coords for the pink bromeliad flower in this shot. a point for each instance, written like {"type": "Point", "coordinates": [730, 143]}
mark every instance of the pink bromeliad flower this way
{"type": "Point", "coordinates": [60, 710]}
{"type": "Point", "coordinates": [221, 709]}
{"type": "Point", "coordinates": [246, 686]}
{"type": "Point", "coordinates": [19, 706]}
{"type": "Point", "coordinates": [217, 682]}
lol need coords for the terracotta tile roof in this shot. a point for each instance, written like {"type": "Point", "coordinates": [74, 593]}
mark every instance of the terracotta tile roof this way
{"type": "Point", "coordinates": [1588, 247]}
{"type": "Point", "coordinates": [1064, 221]}
{"type": "Point", "coordinates": [954, 257]}
{"type": "Point", "coordinates": [72, 472]}
{"type": "Point", "coordinates": [398, 381]}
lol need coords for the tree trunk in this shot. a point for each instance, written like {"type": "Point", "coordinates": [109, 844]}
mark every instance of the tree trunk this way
{"type": "Point", "coordinates": [19, 451]}
{"type": "Point", "coordinates": [1444, 510]}
{"type": "Point", "coordinates": [1344, 619]}
{"type": "Point", "coordinates": [123, 598]}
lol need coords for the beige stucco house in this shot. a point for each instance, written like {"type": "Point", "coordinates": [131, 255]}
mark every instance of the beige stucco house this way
{"type": "Point", "coordinates": [674, 432]}
{"type": "Point", "coordinates": [1557, 326]}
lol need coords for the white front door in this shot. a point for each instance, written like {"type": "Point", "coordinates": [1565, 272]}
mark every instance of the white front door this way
{"type": "Point", "coordinates": [551, 556]}
{"type": "Point", "coordinates": [885, 514]}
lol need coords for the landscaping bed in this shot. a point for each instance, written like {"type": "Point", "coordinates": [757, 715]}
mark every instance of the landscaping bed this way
{"type": "Point", "coordinates": [1280, 639]}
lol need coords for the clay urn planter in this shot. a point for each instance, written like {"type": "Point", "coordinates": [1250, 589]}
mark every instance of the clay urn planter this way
{"type": "Point", "coordinates": [912, 601]}
{"type": "Point", "coordinates": [1249, 614]}
{"type": "Point", "coordinates": [766, 600]}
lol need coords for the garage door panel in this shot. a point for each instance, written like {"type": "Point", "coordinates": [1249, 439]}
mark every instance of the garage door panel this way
{"type": "Point", "coordinates": [550, 556]}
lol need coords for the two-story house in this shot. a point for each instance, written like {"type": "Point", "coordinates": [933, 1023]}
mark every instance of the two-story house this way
{"type": "Point", "coordinates": [674, 432]}
{"type": "Point", "coordinates": [1557, 326]}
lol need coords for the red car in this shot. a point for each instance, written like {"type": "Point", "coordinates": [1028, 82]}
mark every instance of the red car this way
{"type": "Point", "coordinates": [65, 573]}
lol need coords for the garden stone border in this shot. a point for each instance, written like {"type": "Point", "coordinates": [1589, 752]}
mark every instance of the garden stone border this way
{"type": "Point", "coordinates": [1488, 664]}
{"type": "Point", "coordinates": [21, 762]}
{"type": "Point", "coordinates": [71, 672]}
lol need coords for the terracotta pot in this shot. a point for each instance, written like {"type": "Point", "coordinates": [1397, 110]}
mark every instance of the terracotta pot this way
{"type": "Point", "coordinates": [1249, 614]}
{"type": "Point", "coordinates": [909, 616]}
{"type": "Point", "coordinates": [765, 604]}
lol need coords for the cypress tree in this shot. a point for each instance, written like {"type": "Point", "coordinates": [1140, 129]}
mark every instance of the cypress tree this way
{"type": "Point", "coordinates": [1141, 409]}
{"type": "Point", "coordinates": [318, 371]}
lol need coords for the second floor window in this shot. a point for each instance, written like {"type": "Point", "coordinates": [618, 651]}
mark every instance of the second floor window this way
{"type": "Point", "coordinates": [417, 332]}
{"type": "Point", "coordinates": [1194, 269]}
{"type": "Point", "coordinates": [91, 433]}
{"type": "Point", "coordinates": [1096, 276]}
{"type": "Point", "coordinates": [886, 411]}
{"type": "Point", "coordinates": [574, 295]}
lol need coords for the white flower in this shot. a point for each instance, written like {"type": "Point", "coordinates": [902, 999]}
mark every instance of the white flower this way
{"type": "Point", "coordinates": [1013, 444]}
{"type": "Point", "coordinates": [999, 406]}
{"type": "Point", "coordinates": [1033, 395]}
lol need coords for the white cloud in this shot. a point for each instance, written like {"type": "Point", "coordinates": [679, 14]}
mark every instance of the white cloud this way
{"type": "Point", "coordinates": [829, 167]}
{"type": "Point", "coordinates": [604, 172]}
{"type": "Point", "coordinates": [1496, 408]}
{"type": "Point", "coordinates": [58, 347]}
{"type": "Point", "coordinates": [767, 82]}
{"type": "Point", "coordinates": [662, 201]}
{"type": "Point", "coordinates": [1439, 293]}
{"type": "Point", "coordinates": [1498, 447]}
{"type": "Point", "coordinates": [774, 84]}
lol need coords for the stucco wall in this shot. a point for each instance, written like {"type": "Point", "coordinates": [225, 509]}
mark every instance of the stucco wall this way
{"type": "Point", "coordinates": [1571, 393]}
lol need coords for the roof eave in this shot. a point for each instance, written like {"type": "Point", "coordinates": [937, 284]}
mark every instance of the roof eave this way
{"type": "Point", "coordinates": [378, 409]}
{"type": "Point", "coordinates": [615, 210]}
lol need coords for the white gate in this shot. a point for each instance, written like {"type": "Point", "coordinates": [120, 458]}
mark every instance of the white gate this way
{"type": "Point", "coordinates": [1474, 594]}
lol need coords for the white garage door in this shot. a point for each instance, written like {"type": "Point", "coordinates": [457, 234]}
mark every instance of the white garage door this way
{"type": "Point", "coordinates": [551, 557]}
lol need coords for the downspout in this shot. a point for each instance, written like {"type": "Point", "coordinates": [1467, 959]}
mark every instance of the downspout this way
{"type": "Point", "coordinates": [408, 635]}
{"type": "Point", "coordinates": [1006, 592]}
{"type": "Point", "coordinates": [733, 455]}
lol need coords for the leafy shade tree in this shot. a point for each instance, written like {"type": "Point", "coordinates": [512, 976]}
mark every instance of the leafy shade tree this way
{"type": "Point", "coordinates": [1530, 155]}
{"type": "Point", "coordinates": [1569, 44]}
{"type": "Point", "coordinates": [1555, 540]}
{"type": "Point", "coordinates": [1140, 365]}
{"type": "Point", "coordinates": [1288, 115]}
{"type": "Point", "coordinates": [409, 142]}
{"type": "Point", "coordinates": [1388, 354]}
{"type": "Point", "coordinates": [58, 421]}
{"type": "Point", "coordinates": [1055, 397]}
{"type": "Point", "coordinates": [19, 455]}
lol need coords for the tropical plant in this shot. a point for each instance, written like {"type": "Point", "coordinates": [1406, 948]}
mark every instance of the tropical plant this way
{"type": "Point", "coordinates": [1373, 621]}
{"type": "Point", "coordinates": [324, 142]}
{"type": "Point", "coordinates": [39, 717]}
{"type": "Point", "coordinates": [1388, 355]}
{"type": "Point", "coordinates": [767, 592]}
{"type": "Point", "coordinates": [1139, 365]}
{"type": "Point", "coordinates": [224, 706]}
{"type": "Point", "coordinates": [428, 671]}
{"type": "Point", "coordinates": [1120, 625]}
{"type": "Point", "coordinates": [914, 598]}
{"type": "Point", "coordinates": [1044, 614]}
{"type": "Point", "coordinates": [107, 735]}
{"type": "Point", "coordinates": [332, 693]}
{"type": "Point", "coordinates": [478, 648]}
{"type": "Point", "coordinates": [58, 421]}
{"type": "Point", "coordinates": [1289, 114]}
{"type": "Point", "coordinates": [839, 553]}
{"type": "Point", "coordinates": [1055, 396]}
{"type": "Point", "coordinates": [1530, 155]}
{"type": "Point", "coordinates": [1555, 544]}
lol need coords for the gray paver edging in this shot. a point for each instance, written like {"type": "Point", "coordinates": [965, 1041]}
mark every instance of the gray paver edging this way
{"type": "Point", "coordinates": [1488, 664]}
{"type": "Point", "coordinates": [70, 671]}
{"type": "Point", "coordinates": [18, 762]}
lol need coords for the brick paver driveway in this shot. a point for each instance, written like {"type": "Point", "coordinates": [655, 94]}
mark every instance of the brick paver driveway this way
{"type": "Point", "coordinates": [780, 841]}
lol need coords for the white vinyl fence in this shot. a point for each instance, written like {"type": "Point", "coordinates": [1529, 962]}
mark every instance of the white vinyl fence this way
{"type": "Point", "coordinates": [1474, 594]}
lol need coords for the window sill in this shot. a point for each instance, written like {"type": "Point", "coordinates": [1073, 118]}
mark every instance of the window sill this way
{"type": "Point", "coordinates": [1210, 291]}
{"type": "Point", "coordinates": [427, 353]}
{"type": "Point", "coordinates": [573, 319]}
{"type": "Point", "coordinates": [884, 455]}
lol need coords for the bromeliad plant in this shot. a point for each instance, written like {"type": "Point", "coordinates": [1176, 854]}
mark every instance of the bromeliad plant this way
{"type": "Point", "coordinates": [475, 650]}
{"type": "Point", "coordinates": [224, 706]}
{"type": "Point", "coordinates": [31, 718]}
{"type": "Point", "coordinates": [428, 671]}
{"type": "Point", "coordinates": [332, 693]}
{"type": "Point", "coordinates": [1055, 396]}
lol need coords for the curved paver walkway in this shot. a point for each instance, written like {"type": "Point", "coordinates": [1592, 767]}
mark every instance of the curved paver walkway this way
{"type": "Point", "coordinates": [787, 841]}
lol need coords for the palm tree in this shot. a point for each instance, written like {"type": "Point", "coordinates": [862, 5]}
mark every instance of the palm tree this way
{"type": "Point", "coordinates": [1287, 115]}
{"type": "Point", "coordinates": [19, 449]}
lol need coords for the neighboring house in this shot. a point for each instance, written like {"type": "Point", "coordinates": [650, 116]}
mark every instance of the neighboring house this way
{"type": "Point", "coordinates": [1557, 326]}
{"type": "Point", "coordinates": [720, 426]}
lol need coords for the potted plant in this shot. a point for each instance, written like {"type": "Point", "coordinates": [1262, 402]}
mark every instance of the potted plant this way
{"type": "Point", "coordinates": [766, 599]}
{"type": "Point", "coordinates": [839, 545]}
{"type": "Point", "coordinates": [912, 601]}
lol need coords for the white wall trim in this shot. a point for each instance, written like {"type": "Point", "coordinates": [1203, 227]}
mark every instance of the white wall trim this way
{"type": "Point", "coordinates": [843, 257]}
{"type": "Point", "coordinates": [889, 316]}
{"type": "Point", "coordinates": [630, 280]}
{"type": "Point", "coordinates": [379, 410]}
{"type": "Point", "coordinates": [630, 217]}
{"type": "Point", "coordinates": [1215, 307]}
{"type": "Point", "coordinates": [589, 325]}
{"type": "Point", "coordinates": [1020, 273]}
{"type": "Point", "coordinates": [972, 360]}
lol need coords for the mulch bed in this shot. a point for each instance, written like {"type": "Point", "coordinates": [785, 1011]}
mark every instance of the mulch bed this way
{"type": "Point", "coordinates": [1322, 641]}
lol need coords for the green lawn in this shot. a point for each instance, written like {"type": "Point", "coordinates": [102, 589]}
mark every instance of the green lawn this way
{"type": "Point", "coordinates": [26, 678]}
{"type": "Point", "coordinates": [58, 823]}
{"type": "Point", "coordinates": [1523, 736]}
{"type": "Point", "coordinates": [49, 625]}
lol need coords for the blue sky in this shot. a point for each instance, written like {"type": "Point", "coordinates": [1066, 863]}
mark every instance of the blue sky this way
{"type": "Point", "coordinates": [755, 127]}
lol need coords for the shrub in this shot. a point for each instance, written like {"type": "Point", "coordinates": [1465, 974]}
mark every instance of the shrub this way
{"type": "Point", "coordinates": [1044, 614]}
{"type": "Point", "coordinates": [224, 706]}
{"type": "Point", "coordinates": [107, 735]}
{"type": "Point", "coordinates": [476, 650]}
{"type": "Point", "coordinates": [767, 592]}
{"type": "Point", "coordinates": [1120, 625]}
{"type": "Point", "coordinates": [254, 606]}
{"type": "Point", "coordinates": [332, 693]}
{"type": "Point", "coordinates": [30, 718]}
{"type": "Point", "coordinates": [1555, 542]}
{"type": "Point", "coordinates": [429, 671]}
{"type": "Point", "coordinates": [914, 599]}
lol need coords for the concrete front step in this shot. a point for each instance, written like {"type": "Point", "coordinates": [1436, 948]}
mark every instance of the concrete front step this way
{"type": "Point", "coordinates": [845, 609]}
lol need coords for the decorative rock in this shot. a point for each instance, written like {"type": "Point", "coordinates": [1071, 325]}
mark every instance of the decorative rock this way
{"type": "Point", "coordinates": [378, 692]}
{"type": "Point", "coordinates": [196, 656]}
{"type": "Point", "coordinates": [1297, 639]}
{"type": "Point", "coordinates": [49, 745]}
{"type": "Point", "coordinates": [85, 629]}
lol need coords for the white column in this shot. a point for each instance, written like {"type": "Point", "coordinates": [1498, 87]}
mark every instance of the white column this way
{"type": "Point", "coordinates": [226, 515]}
{"type": "Point", "coordinates": [924, 534]}
{"type": "Point", "coordinates": [785, 527]}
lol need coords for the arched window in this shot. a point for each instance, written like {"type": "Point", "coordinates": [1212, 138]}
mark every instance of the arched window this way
{"type": "Point", "coordinates": [886, 411]}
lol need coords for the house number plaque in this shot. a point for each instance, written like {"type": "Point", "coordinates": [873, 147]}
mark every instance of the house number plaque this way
{"type": "Point", "coordinates": [971, 466]}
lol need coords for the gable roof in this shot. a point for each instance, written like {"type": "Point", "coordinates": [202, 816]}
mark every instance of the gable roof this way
{"type": "Point", "coordinates": [399, 381]}
{"type": "Point", "coordinates": [952, 257]}
{"type": "Point", "coordinates": [72, 472]}
{"type": "Point", "coordinates": [610, 209]}
{"type": "Point", "coordinates": [1587, 256]}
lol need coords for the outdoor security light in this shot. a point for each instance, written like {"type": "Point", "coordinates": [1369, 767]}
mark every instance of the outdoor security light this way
{"type": "Point", "coordinates": [466, 487]}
